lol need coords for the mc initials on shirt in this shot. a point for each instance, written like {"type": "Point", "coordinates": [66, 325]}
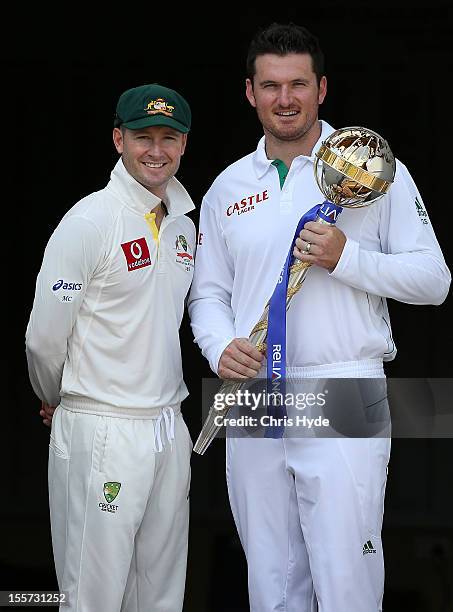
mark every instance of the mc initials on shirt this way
{"type": "Point", "coordinates": [137, 254]}
{"type": "Point", "coordinates": [247, 204]}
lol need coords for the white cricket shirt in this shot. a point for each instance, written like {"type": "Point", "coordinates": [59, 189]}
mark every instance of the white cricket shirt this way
{"type": "Point", "coordinates": [246, 227]}
{"type": "Point", "coordinates": [109, 300]}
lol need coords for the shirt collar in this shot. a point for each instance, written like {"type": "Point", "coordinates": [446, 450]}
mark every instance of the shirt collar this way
{"type": "Point", "coordinates": [262, 163]}
{"type": "Point", "coordinates": [177, 201]}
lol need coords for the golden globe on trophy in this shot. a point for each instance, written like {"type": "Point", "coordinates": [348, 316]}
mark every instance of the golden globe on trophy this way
{"type": "Point", "coordinates": [354, 167]}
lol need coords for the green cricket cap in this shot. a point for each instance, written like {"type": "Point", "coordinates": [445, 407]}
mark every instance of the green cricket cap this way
{"type": "Point", "coordinates": [148, 105]}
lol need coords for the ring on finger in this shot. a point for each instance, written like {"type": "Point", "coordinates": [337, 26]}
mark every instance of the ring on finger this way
{"type": "Point", "coordinates": [308, 247]}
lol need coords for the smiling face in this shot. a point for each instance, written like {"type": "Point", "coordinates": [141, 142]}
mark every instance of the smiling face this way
{"type": "Point", "coordinates": [151, 155]}
{"type": "Point", "coordinates": [286, 95]}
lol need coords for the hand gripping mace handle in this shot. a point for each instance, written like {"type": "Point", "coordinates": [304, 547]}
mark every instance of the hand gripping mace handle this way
{"type": "Point", "coordinates": [297, 273]}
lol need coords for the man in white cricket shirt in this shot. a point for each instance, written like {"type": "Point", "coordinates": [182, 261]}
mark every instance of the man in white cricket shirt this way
{"type": "Point", "coordinates": [103, 345]}
{"type": "Point", "coordinates": [308, 509]}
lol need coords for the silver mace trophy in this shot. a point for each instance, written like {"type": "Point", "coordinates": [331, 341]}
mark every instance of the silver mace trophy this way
{"type": "Point", "coordinates": [354, 167]}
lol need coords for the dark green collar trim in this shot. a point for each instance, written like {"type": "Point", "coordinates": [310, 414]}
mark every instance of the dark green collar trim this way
{"type": "Point", "coordinates": [282, 169]}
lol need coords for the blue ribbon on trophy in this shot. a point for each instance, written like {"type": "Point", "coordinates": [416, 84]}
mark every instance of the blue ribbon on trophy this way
{"type": "Point", "coordinates": [276, 331]}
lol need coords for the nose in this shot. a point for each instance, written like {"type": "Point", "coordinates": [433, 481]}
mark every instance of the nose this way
{"type": "Point", "coordinates": [155, 149]}
{"type": "Point", "coordinates": [284, 97]}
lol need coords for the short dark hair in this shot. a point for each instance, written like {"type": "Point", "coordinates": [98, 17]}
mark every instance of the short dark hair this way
{"type": "Point", "coordinates": [281, 39]}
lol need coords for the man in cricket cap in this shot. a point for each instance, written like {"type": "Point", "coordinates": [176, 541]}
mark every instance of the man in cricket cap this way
{"type": "Point", "coordinates": [103, 348]}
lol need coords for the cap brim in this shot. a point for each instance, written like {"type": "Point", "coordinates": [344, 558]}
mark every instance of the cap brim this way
{"type": "Point", "coordinates": [145, 122]}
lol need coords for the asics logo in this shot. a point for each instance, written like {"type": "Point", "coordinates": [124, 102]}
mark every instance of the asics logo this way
{"type": "Point", "coordinates": [61, 284]}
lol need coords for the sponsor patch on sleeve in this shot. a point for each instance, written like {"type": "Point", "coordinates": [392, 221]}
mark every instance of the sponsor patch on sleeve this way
{"type": "Point", "coordinates": [421, 210]}
{"type": "Point", "coordinates": [65, 290]}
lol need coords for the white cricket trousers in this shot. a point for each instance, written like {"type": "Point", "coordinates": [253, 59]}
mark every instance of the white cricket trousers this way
{"type": "Point", "coordinates": [119, 509]}
{"type": "Point", "coordinates": [309, 513]}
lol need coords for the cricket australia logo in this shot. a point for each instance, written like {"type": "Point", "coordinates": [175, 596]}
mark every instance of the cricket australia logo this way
{"type": "Point", "coordinates": [421, 212]}
{"type": "Point", "coordinates": [159, 107]}
{"type": "Point", "coordinates": [184, 254]}
{"type": "Point", "coordinates": [111, 490]}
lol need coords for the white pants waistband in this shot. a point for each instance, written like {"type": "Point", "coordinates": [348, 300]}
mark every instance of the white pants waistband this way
{"type": "Point", "coordinates": [365, 368]}
{"type": "Point", "coordinates": [160, 417]}
{"type": "Point", "coordinates": [81, 404]}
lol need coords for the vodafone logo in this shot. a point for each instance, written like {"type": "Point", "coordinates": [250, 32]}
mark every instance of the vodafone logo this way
{"type": "Point", "coordinates": [136, 250]}
{"type": "Point", "coordinates": [137, 254]}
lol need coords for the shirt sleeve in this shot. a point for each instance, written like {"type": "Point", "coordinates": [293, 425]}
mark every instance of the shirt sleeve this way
{"type": "Point", "coordinates": [210, 311]}
{"type": "Point", "coordinates": [410, 267]}
{"type": "Point", "coordinates": [69, 260]}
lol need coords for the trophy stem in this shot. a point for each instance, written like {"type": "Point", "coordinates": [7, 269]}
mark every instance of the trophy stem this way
{"type": "Point", "coordinates": [258, 336]}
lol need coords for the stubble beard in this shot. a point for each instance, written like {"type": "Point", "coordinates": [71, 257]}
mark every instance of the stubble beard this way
{"type": "Point", "coordinates": [290, 134]}
{"type": "Point", "coordinates": [286, 136]}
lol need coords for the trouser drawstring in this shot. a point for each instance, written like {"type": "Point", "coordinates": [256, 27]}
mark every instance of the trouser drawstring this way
{"type": "Point", "coordinates": [168, 416]}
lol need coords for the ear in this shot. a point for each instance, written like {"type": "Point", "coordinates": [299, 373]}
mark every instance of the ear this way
{"type": "Point", "coordinates": [249, 92]}
{"type": "Point", "coordinates": [322, 90]}
{"type": "Point", "coordinates": [118, 139]}
{"type": "Point", "coordinates": [183, 143]}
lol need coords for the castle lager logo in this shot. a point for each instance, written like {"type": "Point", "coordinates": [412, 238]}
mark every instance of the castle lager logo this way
{"type": "Point", "coordinates": [247, 204]}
